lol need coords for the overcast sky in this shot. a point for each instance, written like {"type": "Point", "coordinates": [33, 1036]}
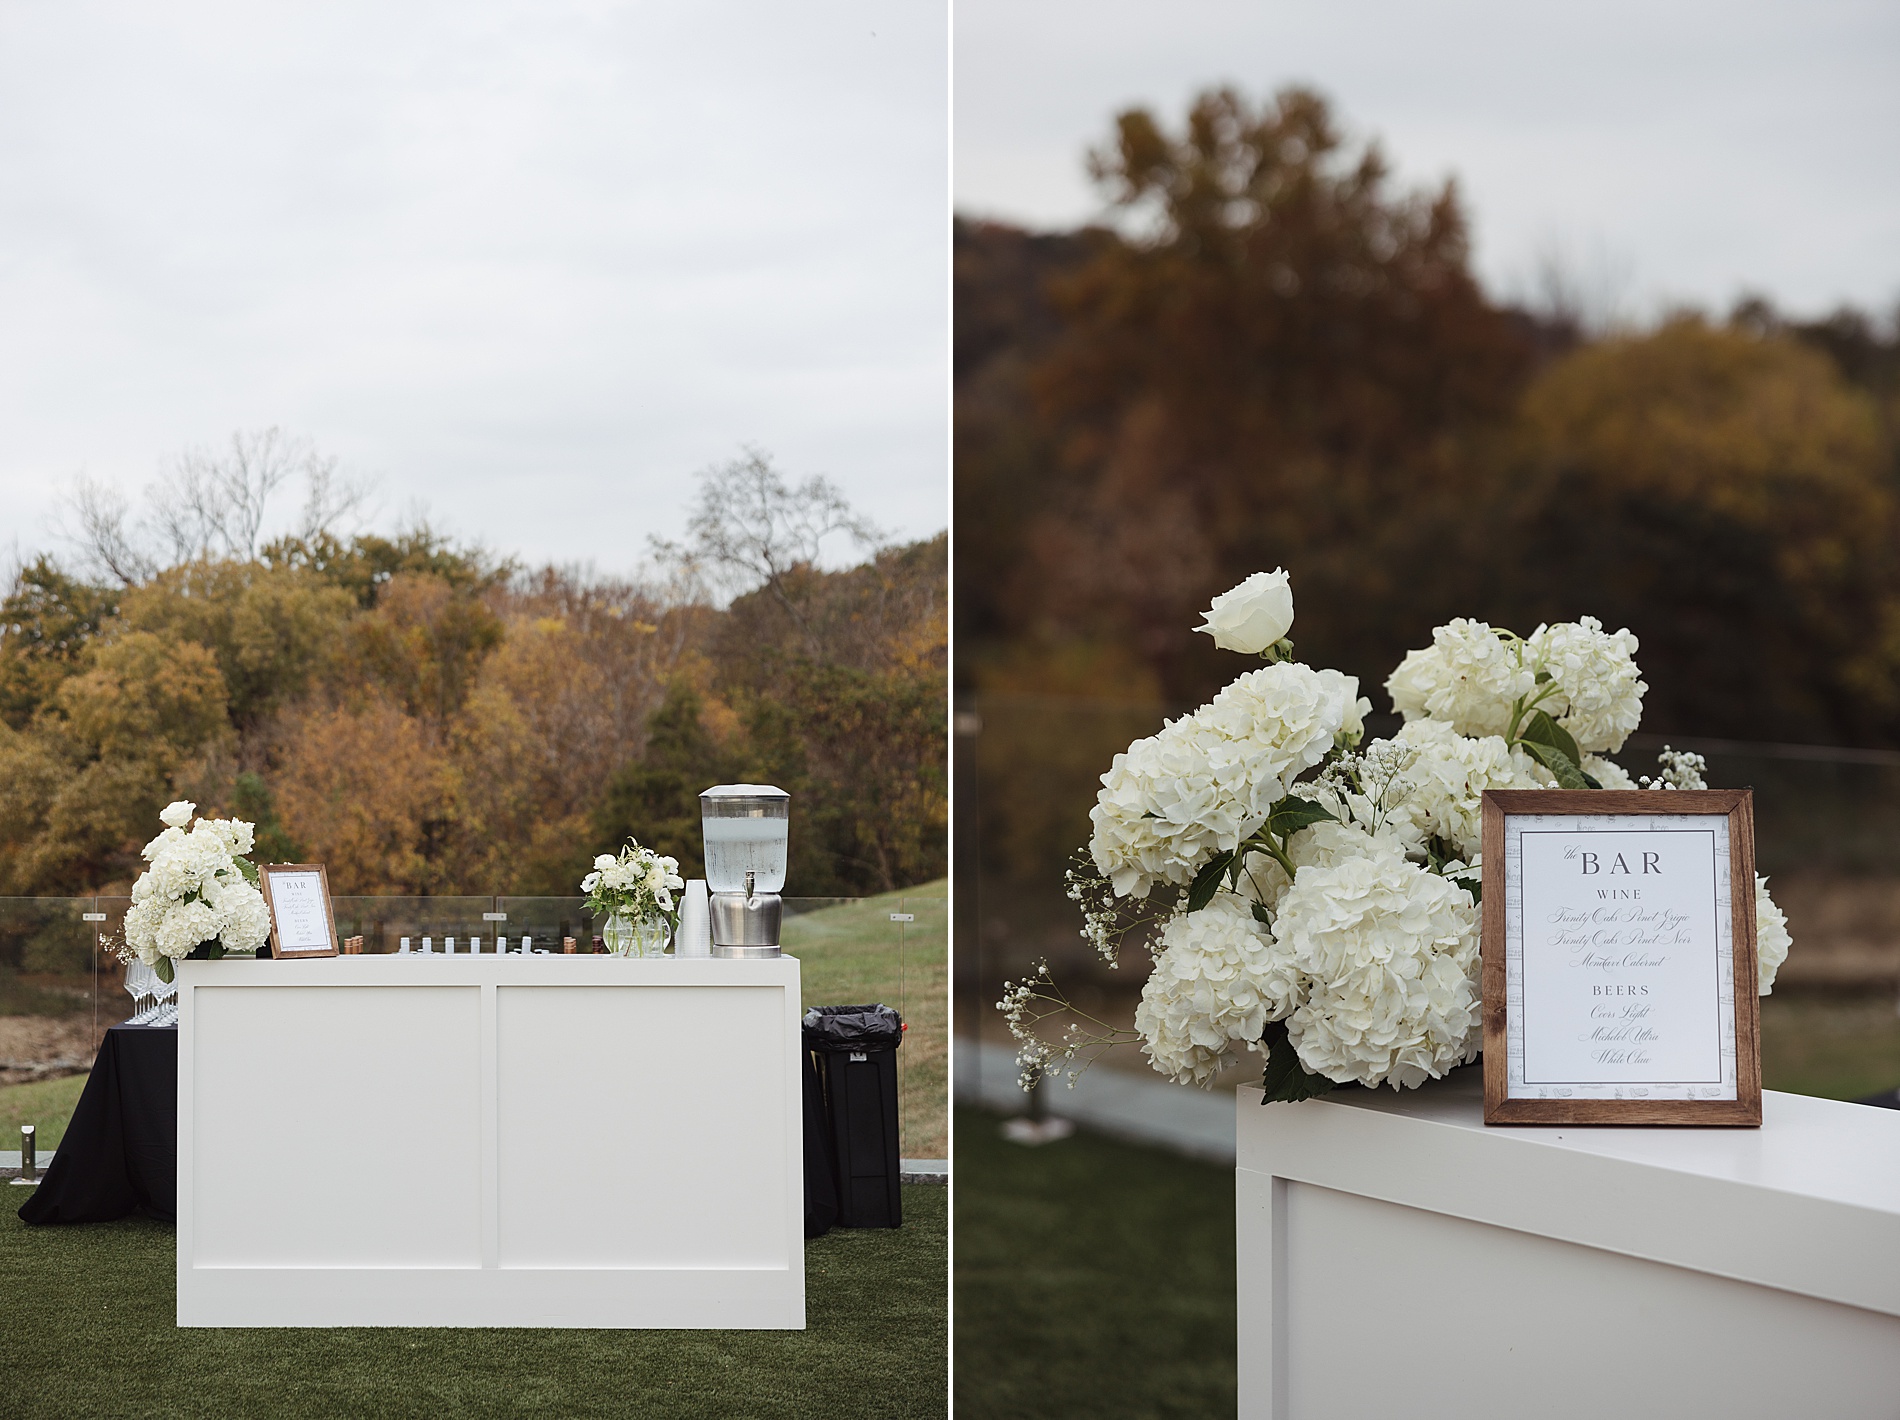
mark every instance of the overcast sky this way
{"type": "Point", "coordinates": [1665, 152]}
{"type": "Point", "coordinates": [530, 263]}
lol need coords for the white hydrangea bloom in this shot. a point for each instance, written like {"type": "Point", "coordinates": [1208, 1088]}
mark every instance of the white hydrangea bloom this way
{"type": "Point", "coordinates": [243, 920]}
{"type": "Point", "coordinates": [1440, 792]}
{"type": "Point", "coordinates": [1772, 939]}
{"type": "Point", "coordinates": [1607, 772]}
{"type": "Point", "coordinates": [1208, 780]}
{"type": "Point", "coordinates": [1469, 677]}
{"type": "Point", "coordinates": [1217, 981]}
{"type": "Point", "coordinates": [186, 926]}
{"type": "Point", "coordinates": [1320, 845]}
{"type": "Point", "coordinates": [1600, 690]}
{"type": "Point", "coordinates": [1327, 845]}
{"type": "Point", "coordinates": [194, 891]}
{"type": "Point", "coordinates": [1391, 954]}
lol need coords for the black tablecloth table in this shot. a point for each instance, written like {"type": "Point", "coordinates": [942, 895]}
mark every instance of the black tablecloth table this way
{"type": "Point", "coordinates": [120, 1152]}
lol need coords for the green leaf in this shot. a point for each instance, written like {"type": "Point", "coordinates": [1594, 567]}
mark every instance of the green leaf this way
{"type": "Point", "coordinates": [1261, 915]}
{"type": "Point", "coordinates": [164, 969]}
{"type": "Point", "coordinates": [1292, 814]}
{"type": "Point", "coordinates": [1207, 881]}
{"type": "Point", "coordinates": [1591, 780]}
{"type": "Point", "coordinates": [1542, 730]}
{"type": "Point", "coordinates": [249, 869]}
{"type": "Point", "coordinates": [1285, 1078]}
{"type": "Point", "coordinates": [1558, 763]}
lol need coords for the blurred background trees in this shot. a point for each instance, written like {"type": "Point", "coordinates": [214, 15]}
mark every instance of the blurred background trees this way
{"type": "Point", "coordinates": [425, 718]}
{"type": "Point", "coordinates": [1277, 358]}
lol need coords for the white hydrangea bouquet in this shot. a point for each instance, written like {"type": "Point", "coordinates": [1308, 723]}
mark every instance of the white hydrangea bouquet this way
{"type": "Point", "coordinates": [1316, 899]}
{"type": "Point", "coordinates": [199, 892]}
{"type": "Point", "coordinates": [636, 887]}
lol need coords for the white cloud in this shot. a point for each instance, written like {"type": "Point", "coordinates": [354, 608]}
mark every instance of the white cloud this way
{"type": "Point", "coordinates": [531, 263]}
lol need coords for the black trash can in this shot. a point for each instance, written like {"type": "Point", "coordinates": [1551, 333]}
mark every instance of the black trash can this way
{"type": "Point", "coordinates": [821, 1179]}
{"type": "Point", "coordinates": [856, 1049]}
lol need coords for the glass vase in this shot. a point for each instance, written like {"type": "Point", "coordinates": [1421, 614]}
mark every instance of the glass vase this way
{"type": "Point", "coordinates": [628, 936]}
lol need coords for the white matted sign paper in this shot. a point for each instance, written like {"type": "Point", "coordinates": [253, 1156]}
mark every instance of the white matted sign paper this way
{"type": "Point", "coordinates": [301, 920]}
{"type": "Point", "coordinates": [1614, 987]}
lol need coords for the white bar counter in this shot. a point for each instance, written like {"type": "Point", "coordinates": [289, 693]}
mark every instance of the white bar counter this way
{"type": "Point", "coordinates": [1398, 1257]}
{"type": "Point", "coordinates": [499, 1140]}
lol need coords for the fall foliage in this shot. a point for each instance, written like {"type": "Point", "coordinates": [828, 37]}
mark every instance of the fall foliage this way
{"type": "Point", "coordinates": [427, 720]}
{"type": "Point", "coordinates": [1278, 357]}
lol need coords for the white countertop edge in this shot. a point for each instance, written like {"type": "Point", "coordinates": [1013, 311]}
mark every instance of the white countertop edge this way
{"type": "Point", "coordinates": [509, 968]}
{"type": "Point", "coordinates": [1809, 1203]}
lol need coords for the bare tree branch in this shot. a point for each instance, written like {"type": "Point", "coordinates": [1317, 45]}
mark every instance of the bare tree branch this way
{"type": "Point", "coordinates": [331, 500]}
{"type": "Point", "coordinates": [750, 529]}
{"type": "Point", "coordinates": [209, 504]}
{"type": "Point", "coordinates": [95, 519]}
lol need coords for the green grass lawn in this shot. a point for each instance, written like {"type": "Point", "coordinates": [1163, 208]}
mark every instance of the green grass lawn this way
{"type": "Point", "coordinates": [89, 1331]}
{"type": "Point", "coordinates": [1838, 1047]}
{"type": "Point", "coordinates": [1093, 1279]}
{"type": "Point", "coordinates": [45, 1104]}
{"type": "Point", "coordinates": [852, 954]}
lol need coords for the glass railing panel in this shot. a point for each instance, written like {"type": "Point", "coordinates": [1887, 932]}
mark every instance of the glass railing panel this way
{"type": "Point", "coordinates": [382, 922]}
{"type": "Point", "coordinates": [859, 951]}
{"type": "Point", "coordinates": [923, 947]}
{"type": "Point", "coordinates": [52, 1012]}
{"type": "Point", "coordinates": [547, 921]}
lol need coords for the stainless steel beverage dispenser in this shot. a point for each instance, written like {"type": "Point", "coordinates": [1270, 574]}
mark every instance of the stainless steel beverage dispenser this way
{"type": "Point", "coordinates": [745, 828]}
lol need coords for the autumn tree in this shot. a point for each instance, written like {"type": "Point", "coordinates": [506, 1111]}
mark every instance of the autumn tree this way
{"type": "Point", "coordinates": [276, 631]}
{"type": "Point", "coordinates": [1731, 497]}
{"type": "Point", "coordinates": [48, 622]}
{"type": "Point", "coordinates": [1278, 359]}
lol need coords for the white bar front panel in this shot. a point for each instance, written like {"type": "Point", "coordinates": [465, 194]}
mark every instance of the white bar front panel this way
{"type": "Point", "coordinates": [490, 1141]}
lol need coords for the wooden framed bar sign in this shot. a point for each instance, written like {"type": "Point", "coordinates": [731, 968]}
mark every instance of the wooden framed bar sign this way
{"type": "Point", "coordinates": [1619, 957]}
{"type": "Point", "coordinates": [302, 922]}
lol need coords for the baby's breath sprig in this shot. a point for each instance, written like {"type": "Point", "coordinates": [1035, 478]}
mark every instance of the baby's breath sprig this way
{"type": "Point", "coordinates": [1106, 918]}
{"type": "Point", "coordinates": [1371, 784]}
{"type": "Point", "coordinates": [1026, 1004]}
{"type": "Point", "coordinates": [1681, 769]}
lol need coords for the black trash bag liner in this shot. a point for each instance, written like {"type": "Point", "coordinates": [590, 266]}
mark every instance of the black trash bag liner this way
{"type": "Point", "coordinates": [841, 1028]}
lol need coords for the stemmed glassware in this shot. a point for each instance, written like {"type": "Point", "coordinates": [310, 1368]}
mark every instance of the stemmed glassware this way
{"type": "Point", "coordinates": [156, 1000]}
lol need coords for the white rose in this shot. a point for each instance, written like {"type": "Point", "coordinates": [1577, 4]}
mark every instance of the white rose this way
{"type": "Point", "coordinates": [178, 814]}
{"type": "Point", "coordinates": [605, 861]}
{"type": "Point", "coordinates": [1252, 616]}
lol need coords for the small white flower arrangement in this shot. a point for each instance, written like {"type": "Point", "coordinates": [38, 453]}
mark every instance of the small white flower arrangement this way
{"type": "Point", "coordinates": [637, 886]}
{"type": "Point", "coordinates": [1316, 900]}
{"type": "Point", "coordinates": [200, 891]}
